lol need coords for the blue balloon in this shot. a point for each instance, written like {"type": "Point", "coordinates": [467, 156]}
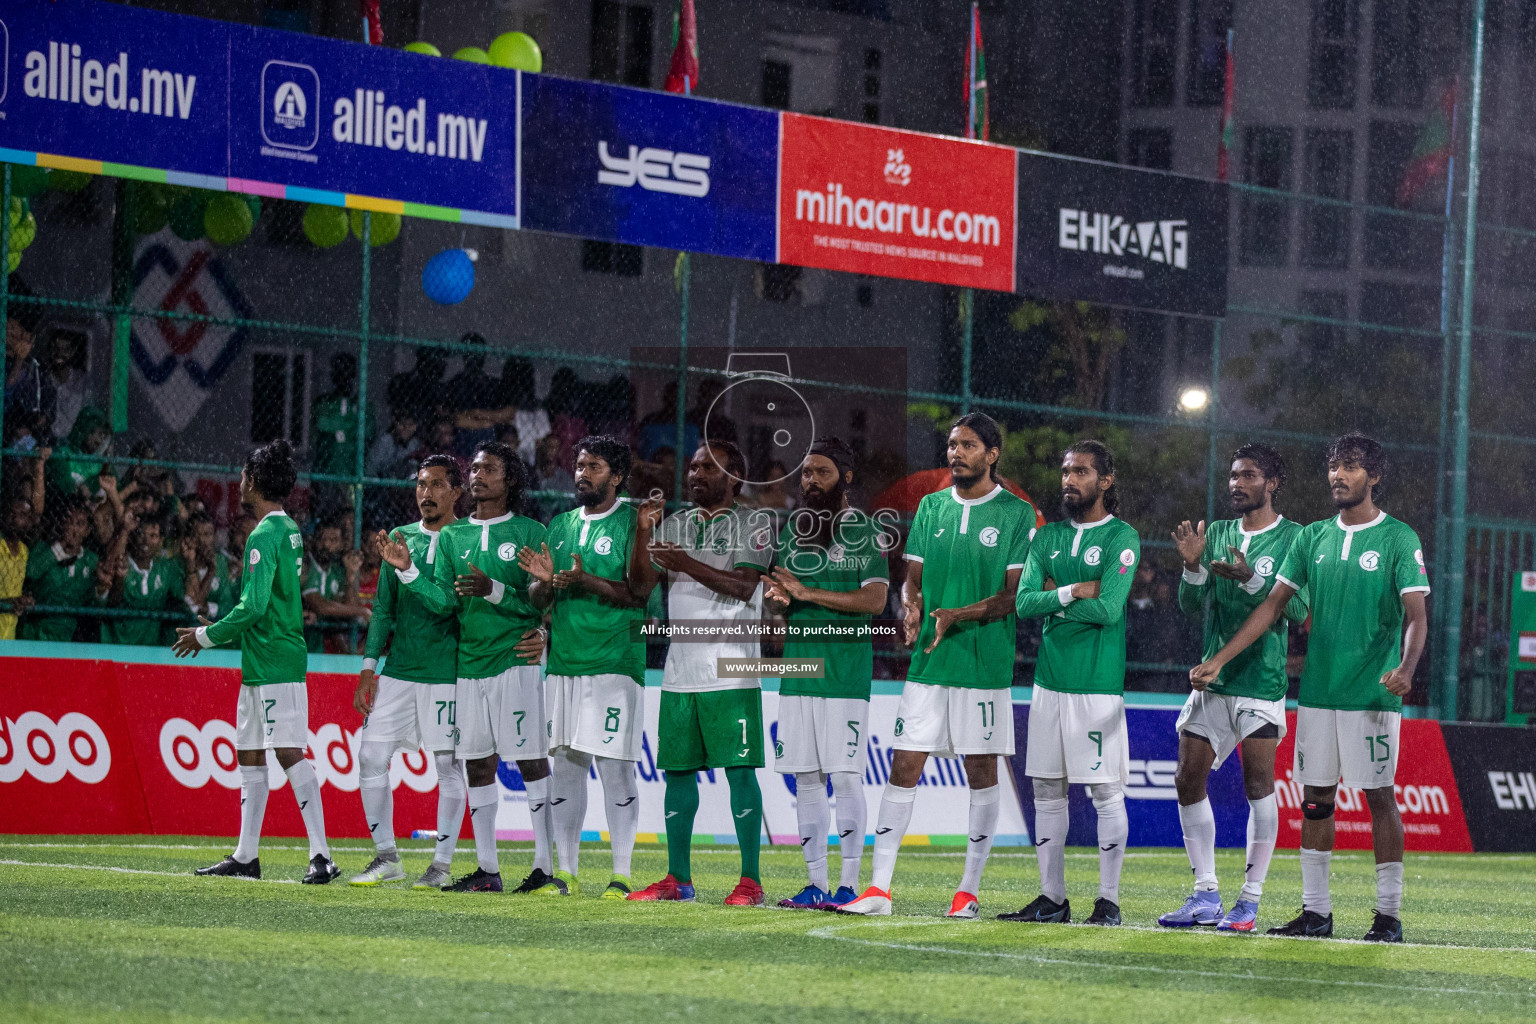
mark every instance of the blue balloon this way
{"type": "Point", "coordinates": [448, 277]}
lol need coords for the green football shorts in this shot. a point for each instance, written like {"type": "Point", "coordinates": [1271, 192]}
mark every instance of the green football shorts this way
{"type": "Point", "coordinates": [713, 729]}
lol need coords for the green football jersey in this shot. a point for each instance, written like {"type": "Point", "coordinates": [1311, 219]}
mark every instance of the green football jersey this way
{"type": "Point", "coordinates": [1259, 671]}
{"type": "Point", "coordinates": [489, 627]}
{"type": "Point", "coordinates": [423, 640]}
{"type": "Point", "coordinates": [269, 618]}
{"type": "Point", "coordinates": [1082, 643]}
{"type": "Point", "coordinates": [590, 635]}
{"type": "Point", "coordinates": [853, 559]}
{"type": "Point", "coordinates": [1356, 576]}
{"type": "Point", "coordinates": [53, 577]}
{"type": "Point", "coordinates": [967, 547]}
{"type": "Point", "coordinates": [327, 581]}
{"type": "Point", "coordinates": [159, 587]}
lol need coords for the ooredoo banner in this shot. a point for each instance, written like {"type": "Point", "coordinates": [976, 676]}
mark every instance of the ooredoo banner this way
{"type": "Point", "coordinates": [873, 200]}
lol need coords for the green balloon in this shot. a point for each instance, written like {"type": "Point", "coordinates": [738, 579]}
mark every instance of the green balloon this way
{"type": "Point", "coordinates": [148, 203]}
{"type": "Point", "coordinates": [516, 50]}
{"type": "Point", "coordinates": [473, 54]}
{"type": "Point", "coordinates": [386, 227]}
{"type": "Point", "coordinates": [326, 226]}
{"type": "Point", "coordinates": [27, 180]}
{"type": "Point", "coordinates": [423, 47]}
{"type": "Point", "coordinates": [13, 260]}
{"type": "Point", "coordinates": [186, 214]}
{"type": "Point", "coordinates": [227, 219]}
{"type": "Point", "coordinates": [69, 181]}
{"type": "Point", "coordinates": [23, 233]}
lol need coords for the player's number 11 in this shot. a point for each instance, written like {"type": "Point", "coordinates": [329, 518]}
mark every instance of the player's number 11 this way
{"type": "Point", "coordinates": [988, 713]}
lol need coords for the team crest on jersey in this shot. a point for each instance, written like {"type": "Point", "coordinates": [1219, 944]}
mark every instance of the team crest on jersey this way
{"type": "Point", "coordinates": [1418, 556]}
{"type": "Point", "coordinates": [507, 552]}
{"type": "Point", "coordinates": [255, 557]}
{"type": "Point", "coordinates": [988, 537]}
{"type": "Point", "coordinates": [1264, 566]}
{"type": "Point", "coordinates": [836, 552]}
{"type": "Point", "coordinates": [900, 726]}
{"type": "Point", "coordinates": [603, 546]}
{"type": "Point", "coordinates": [719, 546]}
{"type": "Point", "coordinates": [1127, 558]}
{"type": "Point", "coordinates": [1093, 555]}
{"type": "Point", "coordinates": [1369, 561]}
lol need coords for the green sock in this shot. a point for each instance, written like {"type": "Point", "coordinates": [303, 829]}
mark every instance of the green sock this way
{"type": "Point", "coordinates": [747, 809]}
{"type": "Point", "coordinates": [681, 805]}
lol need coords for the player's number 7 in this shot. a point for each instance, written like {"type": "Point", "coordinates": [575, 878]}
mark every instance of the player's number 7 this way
{"type": "Point", "coordinates": [743, 722]}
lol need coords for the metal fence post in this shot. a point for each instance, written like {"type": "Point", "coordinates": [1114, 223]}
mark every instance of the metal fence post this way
{"type": "Point", "coordinates": [1211, 463]}
{"type": "Point", "coordinates": [122, 297]}
{"type": "Point", "coordinates": [362, 380]}
{"type": "Point", "coordinates": [967, 321]}
{"type": "Point", "coordinates": [1456, 565]}
{"type": "Point", "coordinates": [5, 291]}
{"type": "Point", "coordinates": [682, 385]}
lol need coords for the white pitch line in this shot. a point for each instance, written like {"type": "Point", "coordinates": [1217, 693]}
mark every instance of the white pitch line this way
{"type": "Point", "coordinates": [830, 932]}
{"type": "Point", "coordinates": [127, 871]}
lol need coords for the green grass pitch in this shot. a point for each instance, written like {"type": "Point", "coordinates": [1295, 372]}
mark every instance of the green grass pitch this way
{"type": "Point", "coordinates": [117, 928]}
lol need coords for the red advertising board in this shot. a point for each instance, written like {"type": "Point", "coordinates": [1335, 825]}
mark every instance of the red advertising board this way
{"type": "Point", "coordinates": [872, 200]}
{"type": "Point", "coordinates": [66, 764]}
{"type": "Point", "coordinates": [1426, 790]}
{"type": "Point", "coordinates": [104, 747]}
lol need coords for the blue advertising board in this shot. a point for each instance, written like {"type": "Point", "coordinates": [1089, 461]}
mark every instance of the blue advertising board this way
{"type": "Point", "coordinates": [333, 116]}
{"type": "Point", "coordinates": [1150, 800]}
{"type": "Point", "coordinates": [102, 82]}
{"type": "Point", "coordinates": [650, 168]}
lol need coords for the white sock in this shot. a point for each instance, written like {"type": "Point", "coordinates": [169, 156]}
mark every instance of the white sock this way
{"type": "Point", "coordinates": [852, 819]}
{"type": "Point", "coordinates": [306, 790]}
{"type": "Point", "coordinates": [1389, 888]}
{"type": "Point", "coordinates": [1314, 881]}
{"type": "Point", "coordinates": [983, 824]}
{"type": "Point", "coordinates": [813, 813]}
{"type": "Point", "coordinates": [253, 808]}
{"type": "Point", "coordinates": [541, 814]}
{"type": "Point", "coordinates": [622, 792]}
{"type": "Point", "coordinates": [568, 802]}
{"type": "Point", "coordinates": [1263, 830]}
{"type": "Point", "coordinates": [451, 797]}
{"type": "Point", "coordinates": [1199, 824]}
{"type": "Point", "coordinates": [1051, 823]}
{"type": "Point", "coordinates": [378, 801]}
{"type": "Point", "coordinates": [482, 818]}
{"type": "Point", "coordinates": [890, 828]}
{"type": "Point", "coordinates": [1114, 830]}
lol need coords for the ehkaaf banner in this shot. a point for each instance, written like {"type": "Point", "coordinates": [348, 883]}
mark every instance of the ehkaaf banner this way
{"type": "Point", "coordinates": [98, 81]}
{"type": "Point", "coordinates": [333, 116]}
{"type": "Point", "coordinates": [1495, 768]}
{"type": "Point", "coordinates": [1122, 236]}
{"type": "Point", "coordinates": [872, 200]}
{"type": "Point", "coordinates": [649, 168]}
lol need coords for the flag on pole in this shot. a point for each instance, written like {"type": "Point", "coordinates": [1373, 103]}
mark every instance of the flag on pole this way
{"type": "Point", "coordinates": [1228, 127]}
{"type": "Point", "coordinates": [683, 75]}
{"type": "Point", "coordinates": [977, 123]}
{"type": "Point", "coordinates": [1432, 153]}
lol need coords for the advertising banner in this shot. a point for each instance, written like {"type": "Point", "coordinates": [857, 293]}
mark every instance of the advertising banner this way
{"type": "Point", "coordinates": [66, 762]}
{"type": "Point", "coordinates": [649, 168]}
{"type": "Point", "coordinates": [1427, 796]}
{"type": "Point", "coordinates": [333, 116]}
{"type": "Point", "coordinates": [1495, 768]}
{"type": "Point", "coordinates": [1121, 235]}
{"type": "Point", "coordinates": [872, 200]}
{"type": "Point", "coordinates": [104, 82]}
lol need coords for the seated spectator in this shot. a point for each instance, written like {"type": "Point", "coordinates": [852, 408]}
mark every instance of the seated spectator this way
{"type": "Point", "coordinates": [80, 460]}
{"type": "Point", "coordinates": [18, 520]}
{"type": "Point", "coordinates": [144, 579]}
{"type": "Point", "coordinates": [29, 389]}
{"type": "Point", "coordinates": [473, 399]}
{"type": "Point", "coordinates": [234, 547]}
{"type": "Point", "coordinates": [64, 572]}
{"type": "Point", "coordinates": [66, 367]}
{"type": "Point", "coordinates": [395, 454]}
{"type": "Point", "coordinates": [520, 406]}
{"type": "Point", "coordinates": [211, 589]}
{"type": "Point", "coordinates": [329, 588]}
{"type": "Point", "coordinates": [613, 408]}
{"type": "Point", "coordinates": [553, 475]}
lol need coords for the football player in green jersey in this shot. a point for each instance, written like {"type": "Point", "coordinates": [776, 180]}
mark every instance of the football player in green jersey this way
{"type": "Point", "coordinates": [1365, 573]}
{"type": "Point", "coordinates": [1078, 578]}
{"type": "Point", "coordinates": [499, 688]}
{"type": "Point", "coordinates": [831, 571]}
{"type": "Point", "coordinates": [273, 710]}
{"type": "Point", "coordinates": [595, 687]}
{"type": "Point", "coordinates": [1233, 565]}
{"type": "Point", "coordinates": [411, 704]}
{"type": "Point", "coordinates": [965, 552]}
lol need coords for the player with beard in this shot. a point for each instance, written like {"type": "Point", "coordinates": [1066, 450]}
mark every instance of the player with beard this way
{"type": "Point", "coordinates": [713, 556]}
{"type": "Point", "coordinates": [1078, 578]}
{"type": "Point", "coordinates": [1246, 706]}
{"type": "Point", "coordinates": [411, 704]}
{"type": "Point", "coordinates": [831, 571]}
{"type": "Point", "coordinates": [273, 710]}
{"type": "Point", "coordinates": [1365, 573]}
{"type": "Point", "coordinates": [596, 663]}
{"type": "Point", "coordinates": [499, 688]}
{"type": "Point", "coordinates": [965, 552]}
